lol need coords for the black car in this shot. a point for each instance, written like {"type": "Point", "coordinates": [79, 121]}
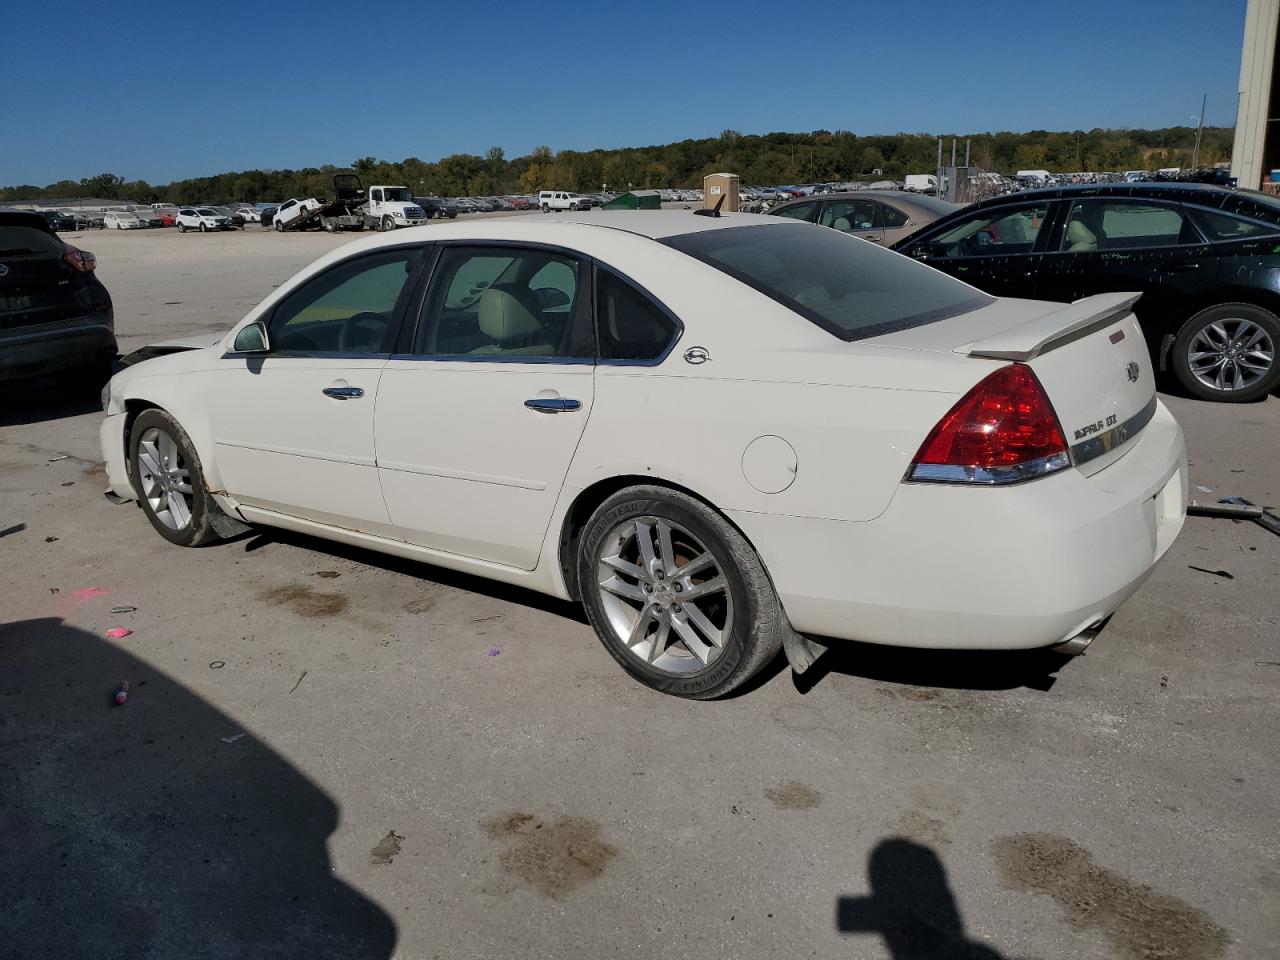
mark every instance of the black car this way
{"type": "Point", "coordinates": [58, 220]}
{"type": "Point", "coordinates": [1206, 260]}
{"type": "Point", "coordinates": [268, 214]}
{"type": "Point", "coordinates": [436, 207]}
{"type": "Point", "coordinates": [55, 316]}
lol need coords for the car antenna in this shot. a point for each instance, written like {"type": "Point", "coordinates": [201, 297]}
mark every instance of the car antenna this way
{"type": "Point", "coordinates": [714, 211]}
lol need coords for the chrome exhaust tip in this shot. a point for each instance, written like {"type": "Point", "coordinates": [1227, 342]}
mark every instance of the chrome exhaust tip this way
{"type": "Point", "coordinates": [1077, 645]}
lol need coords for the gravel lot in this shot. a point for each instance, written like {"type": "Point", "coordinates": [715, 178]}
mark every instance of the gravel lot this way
{"type": "Point", "coordinates": [437, 766]}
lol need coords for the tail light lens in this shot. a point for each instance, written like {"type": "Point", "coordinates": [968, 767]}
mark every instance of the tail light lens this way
{"type": "Point", "coordinates": [1002, 431]}
{"type": "Point", "coordinates": [82, 260]}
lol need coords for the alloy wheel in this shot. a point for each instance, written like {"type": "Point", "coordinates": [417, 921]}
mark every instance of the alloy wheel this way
{"type": "Point", "coordinates": [165, 478]}
{"type": "Point", "coordinates": [665, 594]}
{"type": "Point", "coordinates": [1231, 354]}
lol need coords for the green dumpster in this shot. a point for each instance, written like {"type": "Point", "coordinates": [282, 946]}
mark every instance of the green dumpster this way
{"type": "Point", "coordinates": [636, 200]}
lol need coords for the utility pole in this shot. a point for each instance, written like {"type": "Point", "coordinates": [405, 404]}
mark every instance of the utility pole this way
{"type": "Point", "coordinates": [1195, 154]}
{"type": "Point", "coordinates": [966, 153]}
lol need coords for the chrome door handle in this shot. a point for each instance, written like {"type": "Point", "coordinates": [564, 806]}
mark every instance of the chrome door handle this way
{"type": "Point", "coordinates": [872, 238]}
{"type": "Point", "coordinates": [553, 404]}
{"type": "Point", "coordinates": [343, 393]}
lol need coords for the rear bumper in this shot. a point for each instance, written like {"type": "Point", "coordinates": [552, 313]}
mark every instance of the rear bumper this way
{"type": "Point", "coordinates": [1014, 568]}
{"type": "Point", "coordinates": [70, 345]}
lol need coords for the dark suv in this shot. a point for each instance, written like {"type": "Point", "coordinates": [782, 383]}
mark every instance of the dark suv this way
{"type": "Point", "coordinates": [434, 207]}
{"type": "Point", "coordinates": [55, 316]}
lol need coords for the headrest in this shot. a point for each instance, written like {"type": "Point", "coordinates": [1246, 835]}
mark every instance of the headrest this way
{"type": "Point", "coordinates": [503, 317]}
{"type": "Point", "coordinates": [842, 224]}
{"type": "Point", "coordinates": [1077, 232]}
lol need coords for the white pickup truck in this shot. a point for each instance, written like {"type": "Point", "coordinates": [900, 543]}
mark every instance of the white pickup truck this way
{"type": "Point", "coordinates": [550, 200]}
{"type": "Point", "coordinates": [390, 207]}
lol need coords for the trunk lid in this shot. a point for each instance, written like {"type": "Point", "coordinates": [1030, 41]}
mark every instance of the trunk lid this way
{"type": "Point", "coordinates": [1090, 356]}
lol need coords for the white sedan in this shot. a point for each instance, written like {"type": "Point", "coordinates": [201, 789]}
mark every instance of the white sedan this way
{"type": "Point", "coordinates": [723, 435]}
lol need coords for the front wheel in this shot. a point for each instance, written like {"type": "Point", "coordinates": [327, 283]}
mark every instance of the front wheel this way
{"type": "Point", "coordinates": [1228, 353]}
{"type": "Point", "coordinates": [676, 594]}
{"type": "Point", "coordinates": [388, 225]}
{"type": "Point", "coordinates": [169, 481]}
{"type": "Point", "coordinates": [204, 228]}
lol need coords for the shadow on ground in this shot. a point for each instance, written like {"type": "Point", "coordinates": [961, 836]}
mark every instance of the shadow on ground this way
{"type": "Point", "coordinates": [260, 538]}
{"type": "Point", "coordinates": [38, 401]}
{"type": "Point", "coordinates": [910, 907]}
{"type": "Point", "coordinates": [136, 831]}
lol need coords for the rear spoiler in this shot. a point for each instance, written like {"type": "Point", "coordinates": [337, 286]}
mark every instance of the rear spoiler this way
{"type": "Point", "coordinates": [1073, 322]}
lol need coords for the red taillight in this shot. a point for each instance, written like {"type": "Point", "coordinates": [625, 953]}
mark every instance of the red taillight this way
{"type": "Point", "coordinates": [82, 260]}
{"type": "Point", "coordinates": [1002, 431]}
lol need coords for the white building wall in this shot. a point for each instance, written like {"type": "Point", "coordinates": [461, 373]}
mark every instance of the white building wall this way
{"type": "Point", "coordinates": [1256, 64]}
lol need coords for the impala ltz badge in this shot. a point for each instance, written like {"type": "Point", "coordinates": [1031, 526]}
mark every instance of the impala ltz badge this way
{"type": "Point", "coordinates": [1131, 371]}
{"type": "Point", "coordinates": [4, 271]}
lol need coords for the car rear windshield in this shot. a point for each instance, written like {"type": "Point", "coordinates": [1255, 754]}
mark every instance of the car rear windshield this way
{"type": "Point", "coordinates": [844, 284]}
{"type": "Point", "coordinates": [22, 241]}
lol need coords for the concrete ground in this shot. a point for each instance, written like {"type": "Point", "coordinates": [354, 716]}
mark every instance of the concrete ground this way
{"type": "Point", "coordinates": [330, 753]}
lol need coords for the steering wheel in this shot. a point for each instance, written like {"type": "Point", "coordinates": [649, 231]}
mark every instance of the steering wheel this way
{"type": "Point", "coordinates": [362, 333]}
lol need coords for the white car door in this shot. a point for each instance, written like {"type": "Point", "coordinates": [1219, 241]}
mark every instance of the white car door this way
{"type": "Point", "coordinates": [293, 428]}
{"type": "Point", "coordinates": [477, 423]}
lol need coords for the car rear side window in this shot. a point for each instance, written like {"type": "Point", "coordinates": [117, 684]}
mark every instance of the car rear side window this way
{"type": "Point", "coordinates": [849, 215]}
{"type": "Point", "coordinates": [893, 217]}
{"type": "Point", "coordinates": [1223, 226]}
{"type": "Point", "coordinates": [630, 325]}
{"type": "Point", "coordinates": [1125, 225]}
{"type": "Point", "coordinates": [17, 240]}
{"type": "Point", "coordinates": [850, 288]}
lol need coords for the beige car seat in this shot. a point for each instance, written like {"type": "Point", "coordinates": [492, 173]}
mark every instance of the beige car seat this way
{"type": "Point", "coordinates": [1080, 239]}
{"type": "Point", "coordinates": [511, 326]}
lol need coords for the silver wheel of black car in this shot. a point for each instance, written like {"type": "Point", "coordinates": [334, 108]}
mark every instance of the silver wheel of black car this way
{"type": "Point", "coordinates": [1228, 353]}
{"type": "Point", "coordinates": [676, 594]}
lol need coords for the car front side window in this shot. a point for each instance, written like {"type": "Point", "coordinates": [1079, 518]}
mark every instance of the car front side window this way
{"type": "Point", "coordinates": [350, 308]}
{"type": "Point", "coordinates": [1001, 232]}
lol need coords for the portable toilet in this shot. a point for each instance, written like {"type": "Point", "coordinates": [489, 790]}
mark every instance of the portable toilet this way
{"type": "Point", "coordinates": [717, 186]}
{"type": "Point", "coordinates": [636, 200]}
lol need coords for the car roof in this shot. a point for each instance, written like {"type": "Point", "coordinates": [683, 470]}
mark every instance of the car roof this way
{"type": "Point", "coordinates": [654, 224]}
{"type": "Point", "coordinates": [1195, 192]}
{"type": "Point", "coordinates": [11, 217]}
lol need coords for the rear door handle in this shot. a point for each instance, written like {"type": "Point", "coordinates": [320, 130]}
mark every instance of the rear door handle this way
{"type": "Point", "coordinates": [553, 404]}
{"type": "Point", "coordinates": [343, 393]}
{"type": "Point", "coordinates": [872, 237]}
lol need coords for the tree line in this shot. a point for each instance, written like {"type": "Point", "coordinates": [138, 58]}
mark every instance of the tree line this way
{"type": "Point", "coordinates": [768, 159]}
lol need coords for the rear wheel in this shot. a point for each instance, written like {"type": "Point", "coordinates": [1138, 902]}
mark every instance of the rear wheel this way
{"type": "Point", "coordinates": [1228, 353]}
{"type": "Point", "coordinates": [279, 225]}
{"type": "Point", "coordinates": [676, 594]}
{"type": "Point", "coordinates": [546, 208]}
{"type": "Point", "coordinates": [169, 481]}
{"type": "Point", "coordinates": [182, 228]}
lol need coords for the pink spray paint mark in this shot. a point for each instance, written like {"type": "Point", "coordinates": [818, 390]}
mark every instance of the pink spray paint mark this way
{"type": "Point", "coordinates": [85, 594]}
{"type": "Point", "coordinates": [116, 633]}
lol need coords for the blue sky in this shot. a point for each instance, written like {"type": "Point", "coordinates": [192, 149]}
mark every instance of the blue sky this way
{"type": "Point", "coordinates": [162, 91]}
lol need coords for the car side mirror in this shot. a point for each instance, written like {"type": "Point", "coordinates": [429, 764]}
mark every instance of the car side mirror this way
{"type": "Point", "coordinates": [252, 339]}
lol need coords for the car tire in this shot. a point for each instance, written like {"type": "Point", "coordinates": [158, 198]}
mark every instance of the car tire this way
{"type": "Point", "coordinates": [648, 623]}
{"type": "Point", "coordinates": [204, 228]}
{"type": "Point", "coordinates": [330, 224]}
{"type": "Point", "coordinates": [183, 517]}
{"type": "Point", "coordinates": [279, 225]}
{"type": "Point", "coordinates": [1210, 349]}
{"type": "Point", "coordinates": [388, 225]}
{"type": "Point", "coordinates": [182, 228]}
{"type": "Point", "coordinates": [546, 208]}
